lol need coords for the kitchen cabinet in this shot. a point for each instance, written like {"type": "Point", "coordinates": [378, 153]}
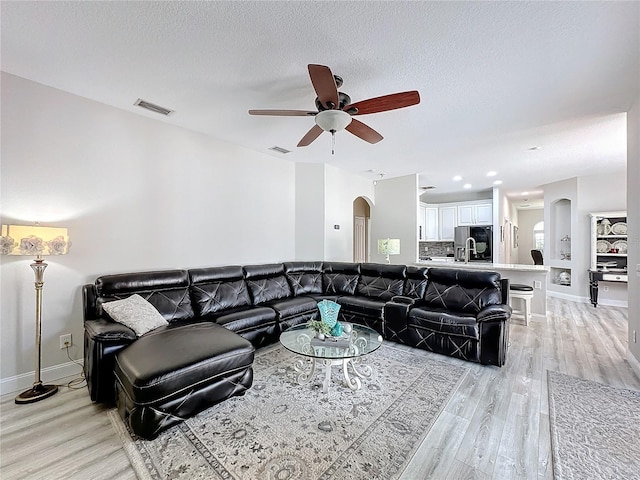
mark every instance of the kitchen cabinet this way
{"type": "Point", "coordinates": [438, 222]}
{"type": "Point", "coordinates": [448, 222]}
{"type": "Point", "coordinates": [431, 223]}
{"type": "Point", "coordinates": [428, 223]}
{"type": "Point", "coordinates": [475, 214]}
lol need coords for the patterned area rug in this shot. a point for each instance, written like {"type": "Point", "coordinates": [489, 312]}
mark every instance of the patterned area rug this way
{"type": "Point", "coordinates": [282, 430]}
{"type": "Point", "coordinates": [595, 429]}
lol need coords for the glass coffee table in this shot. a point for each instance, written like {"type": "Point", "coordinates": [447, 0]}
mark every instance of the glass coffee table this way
{"type": "Point", "coordinates": [347, 350]}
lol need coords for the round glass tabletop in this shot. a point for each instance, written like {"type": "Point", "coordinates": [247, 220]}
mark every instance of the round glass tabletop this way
{"type": "Point", "coordinates": [360, 341]}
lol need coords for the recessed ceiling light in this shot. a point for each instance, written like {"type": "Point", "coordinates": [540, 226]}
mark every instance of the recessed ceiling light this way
{"type": "Point", "coordinates": [534, 148]}
{"type": "Point", "coordinates": [498, 182]}
{"type": "Point", "coordinates": [457, 178]}
{"type": "Point", "coordinates": [466, 185]}
{"type": "Point", "coordinates": [524, 193]}
{"type": "Point", "coordinates": [491, 173]}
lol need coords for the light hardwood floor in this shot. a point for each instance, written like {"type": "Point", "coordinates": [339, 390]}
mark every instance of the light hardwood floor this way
{"type": "Point", "coordinates": [496, 426]}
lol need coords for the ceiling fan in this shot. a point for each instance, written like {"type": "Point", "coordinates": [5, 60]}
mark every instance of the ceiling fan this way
{"type": "Point", "coordinates": [335, 110]}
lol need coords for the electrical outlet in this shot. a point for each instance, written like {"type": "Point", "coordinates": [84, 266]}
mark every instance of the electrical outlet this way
{"type": "Point", "coordinates": [65, 341]}
{"type": "Point", "coordinates": [605, 288]}
{"type": "Point", "coordinates": [537, 284]}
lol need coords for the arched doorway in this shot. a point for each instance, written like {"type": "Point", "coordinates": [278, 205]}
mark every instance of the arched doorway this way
{"type": "Point", "coordinates": [361, 218]}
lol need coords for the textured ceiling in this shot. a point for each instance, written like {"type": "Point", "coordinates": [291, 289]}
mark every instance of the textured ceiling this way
{"type": "Point", "coordinates": [495, 78]}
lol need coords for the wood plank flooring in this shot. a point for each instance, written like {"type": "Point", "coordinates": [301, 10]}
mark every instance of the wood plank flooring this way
{"type": "Point", "coordinates": [496, 426]}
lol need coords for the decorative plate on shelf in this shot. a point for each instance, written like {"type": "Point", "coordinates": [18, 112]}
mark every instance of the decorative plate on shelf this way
{"type": "Point", "coordinates": [602, 246]}
{"type": "Point", "coordinates": [619, 228]}
{"type": "Point", "coordinates": [621, 245]}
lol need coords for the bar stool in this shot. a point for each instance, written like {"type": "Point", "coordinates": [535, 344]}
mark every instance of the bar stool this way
{"type": "Point", "coordinates": [524, 293]}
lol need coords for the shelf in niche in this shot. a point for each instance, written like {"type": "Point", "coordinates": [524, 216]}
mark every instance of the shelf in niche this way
{"type": "Point", "coordinates": [557, 278]}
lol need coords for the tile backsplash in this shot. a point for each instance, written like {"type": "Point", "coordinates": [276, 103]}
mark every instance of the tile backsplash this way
{"type": "Point", "coordinates": [435, 249]}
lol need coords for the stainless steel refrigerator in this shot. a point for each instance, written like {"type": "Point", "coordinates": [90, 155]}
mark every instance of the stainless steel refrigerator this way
{"type": "Point", "coordinates": [483, 242]}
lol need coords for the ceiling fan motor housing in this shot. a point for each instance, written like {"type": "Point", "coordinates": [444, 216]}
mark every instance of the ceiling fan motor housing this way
{"type": "Point", "coordinates": [343, 100]}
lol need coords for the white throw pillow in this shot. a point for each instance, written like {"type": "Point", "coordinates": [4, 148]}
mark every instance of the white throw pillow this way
{"type": "Point", "coordinates": [136, 313]}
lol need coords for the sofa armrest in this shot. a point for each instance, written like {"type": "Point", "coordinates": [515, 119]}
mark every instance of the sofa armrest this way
{"type": "Point", "coordinates": [494, 313]}
{"type": "Point", "coordinates": [395, 316]}
{"type": "Point", "coordinates": [403, 299]}
{"type": "Point", "coordinates": [103, 330]}
{"type": "Point", "coordinates": [103, 339]}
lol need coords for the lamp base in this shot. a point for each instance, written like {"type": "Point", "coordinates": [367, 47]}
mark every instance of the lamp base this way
{"type": "Point", "coordinates": [36, 393]}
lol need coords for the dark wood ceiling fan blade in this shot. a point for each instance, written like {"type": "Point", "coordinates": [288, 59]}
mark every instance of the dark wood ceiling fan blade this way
{"type": "Point", "coordinates": [284, 113]}
{"type": "Point", "coordinates": [363, 131]}
{"type": "Point", "coordinates": [385, 103]}
{"type": "Point", "coordinates": [310, 136]}
{"type": "Point", "coordinates": [325, 85]}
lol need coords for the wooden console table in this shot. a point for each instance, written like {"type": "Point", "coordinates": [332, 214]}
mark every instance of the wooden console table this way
{"type": "Point", "coordinates": [596, 276]}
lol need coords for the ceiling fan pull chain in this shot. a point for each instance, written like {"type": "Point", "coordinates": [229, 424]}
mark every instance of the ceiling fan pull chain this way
{"type": "Point", "coordinates": [333, 142]}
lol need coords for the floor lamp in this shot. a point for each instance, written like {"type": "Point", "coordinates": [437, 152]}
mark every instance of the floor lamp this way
{"type": "Point", "coordinates": [35, 241]}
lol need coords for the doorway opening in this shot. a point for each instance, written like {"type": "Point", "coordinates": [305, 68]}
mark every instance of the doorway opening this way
{"type": "Point", "coordinates": [361, 228]}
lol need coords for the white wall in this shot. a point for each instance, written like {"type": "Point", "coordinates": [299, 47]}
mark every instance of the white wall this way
{"type": "Point", "coordinates": [633, 222]}
{"type": "Point", "coordinates": [136, 194]}
{"type": "Point", "coordinates": [310, 198]}
{"type": "Point", "coordinates": [527, 219]}
{"type": "Point", "coordinates": [395, 215]}
{"type": "Point", "coordinates": [342, 188]}
{"type": "Point", "coordinates": [595, 193]}
{"type": "Point", "coordinates": [554, 230]}
{"type": "Point", "coordinates": [324, 199]}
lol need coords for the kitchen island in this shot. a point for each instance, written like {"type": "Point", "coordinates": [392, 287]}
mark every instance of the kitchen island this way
{"type": "Point", "coordinates": [533, 275]}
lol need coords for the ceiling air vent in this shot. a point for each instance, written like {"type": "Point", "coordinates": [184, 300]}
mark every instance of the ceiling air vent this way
{"type": "Point", "coordinates": [428, 187]}
{"type": "Point", "coordinates": [280, 150]}
{"type": "Point", "coordinates": [152, 107]}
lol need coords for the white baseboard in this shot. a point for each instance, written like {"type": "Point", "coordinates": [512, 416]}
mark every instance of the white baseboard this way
{"type": "Point", "coordinates": [48, 375]}
{"type": "Point", "coordinates": [634, 362]}
{"type": "Point", "coordinates": [579, 299]}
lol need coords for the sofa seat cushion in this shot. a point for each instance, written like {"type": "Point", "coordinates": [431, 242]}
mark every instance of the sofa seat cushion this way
{"type": "Point", "coordinates": [174, 361]}
{"type": "Point", "coordinates": [444, 321]}
{"type": "Point", "coordinates": [240, 320]}
{"type": "Point", "coordinates": [291, 307]}
{"type": "Point", "coordinates": [368, 307]}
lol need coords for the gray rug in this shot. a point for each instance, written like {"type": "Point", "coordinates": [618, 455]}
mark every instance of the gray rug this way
{"type": "Point", "coordinates": [282, 430]}
{"type": "Point", "coordinates": [595, 429]}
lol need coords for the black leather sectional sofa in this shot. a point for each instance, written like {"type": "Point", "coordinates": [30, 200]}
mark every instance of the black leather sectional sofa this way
{"type": "Point", "coordinates": [217, 317]}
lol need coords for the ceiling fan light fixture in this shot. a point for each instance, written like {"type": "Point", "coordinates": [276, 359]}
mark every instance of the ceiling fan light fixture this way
{"type": "Point", "coordinates": [333, 120]}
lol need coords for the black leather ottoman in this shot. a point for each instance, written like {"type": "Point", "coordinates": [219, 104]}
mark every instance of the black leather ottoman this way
{"type": "Point", "coordinates": [172, 373]}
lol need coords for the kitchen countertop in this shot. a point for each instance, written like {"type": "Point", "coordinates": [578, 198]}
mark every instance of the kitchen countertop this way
{"type": "Point", "coordinates": [484, 266]}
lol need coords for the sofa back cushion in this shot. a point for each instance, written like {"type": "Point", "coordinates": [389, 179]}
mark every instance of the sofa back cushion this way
{"type": "Point", "coordinates": [218, 288]}
{"type": "Point", "coordinates": [167, 291]}
{"type": "Point", "coordinates": [340, 278]}
{"type": "Point", "coordinates": [304, 277]}
{"type": "Point", "coordinates": [266, 282]}
{"type": "Point", "coordinates": [416, 283]}
{"type": "Point", "coordinates": [461, 290]}
{"type": "Point", "coordinates": [381, 281]}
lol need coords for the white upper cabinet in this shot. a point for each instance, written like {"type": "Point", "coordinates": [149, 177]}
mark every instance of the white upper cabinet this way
{"type": "Point", "coordinates": [428, 223]}
{"type": "Point", "coordinates": [448, 222]}
{"type": "Point", "coordinates": [438, 222]}
{"type": "Point", "coordinates": [475, 214]}
{"type": "Point", "coordinates": [431, 222]}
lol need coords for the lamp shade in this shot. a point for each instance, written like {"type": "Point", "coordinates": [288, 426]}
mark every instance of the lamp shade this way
{"type": "Point", "coordinates": [34, 240]}
{"type": "Point", "coordinates": [389, 246]}
{"type": "Point", "coordinates": [333, 120]}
